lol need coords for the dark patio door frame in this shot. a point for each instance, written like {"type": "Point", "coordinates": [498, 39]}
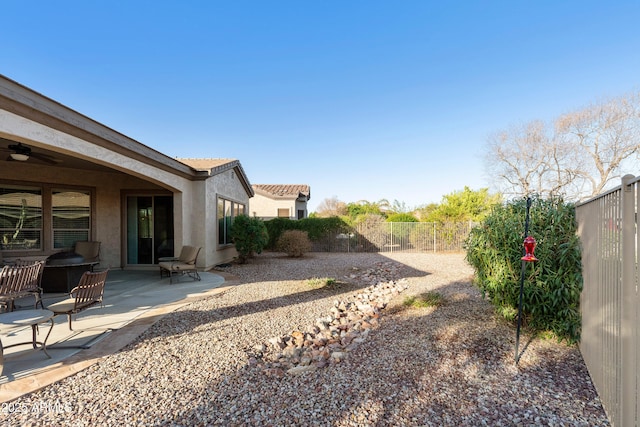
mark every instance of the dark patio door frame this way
{"type": "Point", "coordinates": [148, 229]}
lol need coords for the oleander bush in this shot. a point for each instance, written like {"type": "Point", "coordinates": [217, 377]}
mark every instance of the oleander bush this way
{"type": "Point", "coordinates": [294, 243]}
{"type": "Point", "coordinates": [552, 285]}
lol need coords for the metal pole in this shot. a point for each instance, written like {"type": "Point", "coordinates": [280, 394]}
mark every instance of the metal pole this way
{"type": "Point", "coordinates": [435, 240]}
{"type": "Point", "coordinates": [524, 263]}
{"type": "Point", "coordinates": [628, 317]}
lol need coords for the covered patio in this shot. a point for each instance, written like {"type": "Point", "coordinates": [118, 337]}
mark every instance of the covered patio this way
{"type": "Point", "coordinates": [133, 301]}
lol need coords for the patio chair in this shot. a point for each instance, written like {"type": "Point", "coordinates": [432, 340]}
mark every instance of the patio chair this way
{"type": "Point", "coordinates": [183, 264]}
{"type": "Point", "coordinates": [90, 251]}
{"type": "Point", "coordinates": [88, 293]}
{"type": "Point", "coordinates": [20, 280]}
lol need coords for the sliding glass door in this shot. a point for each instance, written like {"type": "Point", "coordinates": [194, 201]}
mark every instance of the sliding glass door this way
{"type": "Point", "coordinates": [149, 228]}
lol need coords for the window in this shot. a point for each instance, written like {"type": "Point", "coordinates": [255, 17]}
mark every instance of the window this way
{"type": "Point", "coordinates": [283, 212]}
{"type": "Point", "coordinates": [71, 212]}
{"type": "Point", "coordinates": [43, 218]}
{"type": "Point", "coordinates": [20, 218]}
{"type": "Point", "coordinates": [227, 210]}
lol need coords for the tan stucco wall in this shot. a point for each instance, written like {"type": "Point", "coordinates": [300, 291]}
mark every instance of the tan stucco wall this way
{"type": "Point", "coordinates": [301, 206]}
{"type": "Point", "coordinates": [226, 185]}
{"type": "Point", "coordinates": [265, 207]}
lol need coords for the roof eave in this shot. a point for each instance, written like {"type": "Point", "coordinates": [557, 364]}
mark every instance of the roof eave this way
{"type": "Point", "coordinates": [235, 164]}
{"type": "Point", "coordinates": [19, 99]}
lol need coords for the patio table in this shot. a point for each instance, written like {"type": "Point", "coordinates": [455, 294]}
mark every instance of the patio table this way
{"type": "Point", "coordinates": [21, 318]}
{"type": "Point", "coordinates": [62, 278]}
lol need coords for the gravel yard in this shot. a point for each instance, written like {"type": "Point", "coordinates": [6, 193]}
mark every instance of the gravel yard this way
{"type": "Point", "coordinates": [450, 365]}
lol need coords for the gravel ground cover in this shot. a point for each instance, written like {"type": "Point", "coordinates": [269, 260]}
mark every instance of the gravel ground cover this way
{"type": "Point", "coordinates": [450, 365]}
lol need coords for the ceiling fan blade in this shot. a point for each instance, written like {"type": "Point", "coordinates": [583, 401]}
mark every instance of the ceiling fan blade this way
{"type": "Point", "coordinates": [44, 158]}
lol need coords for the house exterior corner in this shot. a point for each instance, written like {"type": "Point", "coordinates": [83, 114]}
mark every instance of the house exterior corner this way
{"type": "Point", "coordinates": [85, 181]}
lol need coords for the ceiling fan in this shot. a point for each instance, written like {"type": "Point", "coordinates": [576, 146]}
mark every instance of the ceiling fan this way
{"type": "Point", "coordinates": [22, 153]}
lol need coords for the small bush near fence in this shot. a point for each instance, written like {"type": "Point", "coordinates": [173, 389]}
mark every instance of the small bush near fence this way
{"type": "Point", "coordinates": [552, 285]}
{"type": "Point", "coordinates": [294, 243]}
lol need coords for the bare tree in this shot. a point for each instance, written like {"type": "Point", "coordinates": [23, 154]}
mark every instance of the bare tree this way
{"type": "Point", "coordinates": [606, 134]}
{"type": "Point", "coordinates": [331, 207]}
{"type": "Point", "coordinates": [521, 160]}
{"type": "Point", "coordinates": [576, 158]}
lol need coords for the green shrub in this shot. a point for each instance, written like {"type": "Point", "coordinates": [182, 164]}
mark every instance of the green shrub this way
{"type": "Point", "coordinates": [277, 226]}
{"type": "Point", "coordinates": [401, 217]}
{"type": "Point", "coordinates": [249, 236]}
{"type": "Point", "coordinates": [375, 229]}
{"type": "Point", "coordinates": [294, 243]}
{"type": "Point", "coordinates": [317, 228]}
{"type": "Point", "coordinates": [552, 285]}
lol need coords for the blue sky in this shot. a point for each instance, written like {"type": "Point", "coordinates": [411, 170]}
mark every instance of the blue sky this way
{"type": "Point", "coordinates": [359, 99]}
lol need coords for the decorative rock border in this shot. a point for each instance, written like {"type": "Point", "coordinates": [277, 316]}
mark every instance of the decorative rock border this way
{"type": "Point", "coordinates": [331, 338]}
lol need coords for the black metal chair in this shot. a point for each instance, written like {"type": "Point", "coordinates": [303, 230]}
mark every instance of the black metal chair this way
{"type": "Point", "coordinates": [88, 293]}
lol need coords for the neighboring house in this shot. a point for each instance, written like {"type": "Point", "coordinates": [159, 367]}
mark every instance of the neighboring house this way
{"type": "Point", "coordinates": [65, 177]}
{"type": "Point", "coordinates": [280, 200]}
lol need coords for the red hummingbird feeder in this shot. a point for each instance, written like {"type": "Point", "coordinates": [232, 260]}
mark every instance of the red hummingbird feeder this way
{"type": "Point", "coordinates": [529, 247]}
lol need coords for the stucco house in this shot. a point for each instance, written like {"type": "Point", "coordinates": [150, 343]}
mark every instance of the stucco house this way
{"type": "Point", "coordinates": [65, 177]}
{"type": "Point", "coordinates": [280, 200]}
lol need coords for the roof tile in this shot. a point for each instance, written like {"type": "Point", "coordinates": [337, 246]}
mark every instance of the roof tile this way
{"type": "Point", "coordinates": [284, 190]}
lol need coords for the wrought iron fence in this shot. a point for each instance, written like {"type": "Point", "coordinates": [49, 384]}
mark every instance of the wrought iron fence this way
{"type": "Point", "coordinates": [398, 237]}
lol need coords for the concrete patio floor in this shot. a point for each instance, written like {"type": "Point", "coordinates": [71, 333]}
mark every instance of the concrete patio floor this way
{"type": "Point", "coordinates": [133, 301]}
